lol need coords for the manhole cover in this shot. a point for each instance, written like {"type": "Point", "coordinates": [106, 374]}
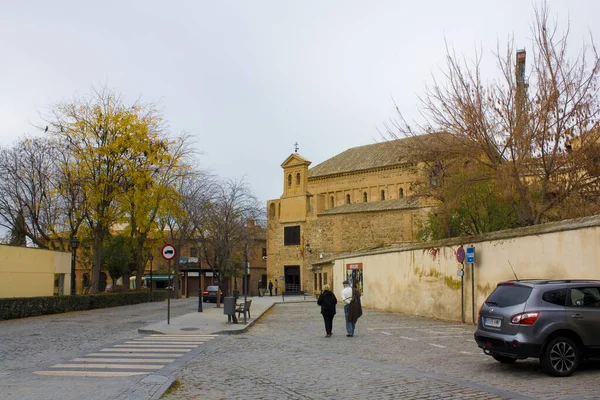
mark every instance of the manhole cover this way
{"type": "Point", "coordinates": [190, 329]}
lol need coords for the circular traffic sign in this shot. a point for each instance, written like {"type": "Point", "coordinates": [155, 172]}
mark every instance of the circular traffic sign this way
{"type": "Point", "coordinates": [168, 252]}
{"type": "Point", "coordinates": [460, 254]}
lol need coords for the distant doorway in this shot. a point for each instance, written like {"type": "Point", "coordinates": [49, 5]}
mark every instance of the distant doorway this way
{"type": "Point", "coordinates": [292, 278]}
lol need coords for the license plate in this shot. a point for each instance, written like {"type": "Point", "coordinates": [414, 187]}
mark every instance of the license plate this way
{"type": "Point", "coordinates": [492, 322]}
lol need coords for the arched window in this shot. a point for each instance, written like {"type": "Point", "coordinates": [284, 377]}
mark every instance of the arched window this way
{"type": "Point", "coordinates": [347, 199]}
{"type": "Point", "coordinates": [290, 180]}
{"type": "Point", "coordinates": [383, 195]}
{"type": "Point", "coordinates": [401, 194]}
{"type": "Point", "coordinates": [364, 197]}
{"type": "Point", "coordinates": [298, 178]}
{"type": "Point", "coordinates": [332, 202]}
{"type": "Point", "coordinates": [272, 210]}
{"type": "Point", "coordinates": [435, 178]}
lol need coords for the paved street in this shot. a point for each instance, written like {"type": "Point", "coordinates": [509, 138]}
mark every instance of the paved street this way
{"type": "Point", "coordinates": [33, 345]}
{"type": "Point", "coordinates": [100, 355]}
{"type": "Point", "coordinates": [286, 356]}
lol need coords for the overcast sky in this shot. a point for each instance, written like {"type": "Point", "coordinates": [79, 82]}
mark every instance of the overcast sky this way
{"type": "Point", "coordinates": [248, 79]}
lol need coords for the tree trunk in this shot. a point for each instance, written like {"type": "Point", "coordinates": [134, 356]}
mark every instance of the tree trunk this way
{"type": "Point", "coordinates": [140, 261]}
{"type": "Point", "coordinates": [97, 262]}
{"type": "Point", "coordinates": [125, 278]}
{"type": "Point", "coordinates": [176, 286]}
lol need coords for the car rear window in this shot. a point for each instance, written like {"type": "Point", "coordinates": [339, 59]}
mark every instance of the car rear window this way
{"type": "Point", "coordinates": [509, 295]}
{"type": "Point", "coordinates": [558, 296]}
{"type": "Point", "coordinates": [212, 288]}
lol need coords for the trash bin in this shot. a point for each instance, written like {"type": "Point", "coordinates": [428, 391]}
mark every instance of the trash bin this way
{"type": "Point", "coordinates": [229, 305]}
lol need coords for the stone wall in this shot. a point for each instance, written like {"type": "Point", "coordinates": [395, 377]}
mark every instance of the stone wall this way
{"type": "Point", "coordinates": [389, 180]}
{"type": "Point", "coordinates": [422, 279]}
{"type": "Point", "coordinates": [333, 234]}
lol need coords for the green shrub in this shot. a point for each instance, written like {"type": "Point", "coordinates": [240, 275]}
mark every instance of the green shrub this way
{"type": "Point", "coordinates": [32, 306]}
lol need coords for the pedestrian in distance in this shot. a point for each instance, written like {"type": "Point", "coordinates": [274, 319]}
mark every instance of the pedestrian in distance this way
{"type": "Point", "coordinates": [327, 301]}
{"type": "Point", "coordinates": [260, 288]}
{"type": "Point", "coordinates": [271, 288]}
{"type": "Point", "coordinates": [352, 307]}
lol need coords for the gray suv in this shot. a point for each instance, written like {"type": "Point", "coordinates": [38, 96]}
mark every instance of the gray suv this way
{"type": "Point", "coordinates": [557, 321]}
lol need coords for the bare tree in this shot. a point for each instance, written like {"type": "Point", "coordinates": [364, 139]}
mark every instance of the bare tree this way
{"type": "Point", "coordinates": [536, 135]}
{"type": "Point", "coordinates": [31, 204]}
{"type": "Point", "coordinates": [180, 219]}
{"type": "Point", "coordinates": [222, 227]}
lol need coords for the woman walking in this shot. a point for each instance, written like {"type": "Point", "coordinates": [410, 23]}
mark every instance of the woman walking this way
{"type": "Point", "coordinates": [327, 301]}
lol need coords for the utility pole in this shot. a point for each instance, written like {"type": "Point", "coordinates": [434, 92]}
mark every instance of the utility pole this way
{"type": "Point", "coordinates": [200, 290]}
{"type": "Point", "coordinates": [247, 273]}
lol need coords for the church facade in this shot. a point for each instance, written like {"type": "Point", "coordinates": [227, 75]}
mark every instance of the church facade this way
{"type": "Point", "coordinates": [360, 199]}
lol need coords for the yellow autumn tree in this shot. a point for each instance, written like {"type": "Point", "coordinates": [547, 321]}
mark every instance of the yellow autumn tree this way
{"type": "Point", "coordinates": [113, 148]}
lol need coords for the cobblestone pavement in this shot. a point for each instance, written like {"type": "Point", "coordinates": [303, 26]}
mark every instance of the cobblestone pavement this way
{"type": "Point", "coordinates": [392, 356]}
{"type": "Point", "coordinates": [38, 343]}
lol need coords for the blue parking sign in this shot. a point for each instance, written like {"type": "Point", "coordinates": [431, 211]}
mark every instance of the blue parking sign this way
{"type": "Point", "coordinates": [470, 254]}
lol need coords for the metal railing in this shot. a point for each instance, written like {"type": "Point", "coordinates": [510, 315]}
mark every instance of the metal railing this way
{"type": "Point", "coordinates": [292, 289]}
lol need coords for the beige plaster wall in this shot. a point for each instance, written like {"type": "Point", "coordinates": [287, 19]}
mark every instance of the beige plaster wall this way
{"type": "Point", "coordinates": [424, 281]}
{"type": "Point", "coordinates": [27, 272]}
{"type": "Point", "coordinates": [293, 209]}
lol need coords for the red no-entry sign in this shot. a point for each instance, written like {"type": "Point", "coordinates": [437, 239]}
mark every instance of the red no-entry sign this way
{"type": "Point", "coordinates": [460, 254]}
{"type": "Point", "coordinates": [168, 252]}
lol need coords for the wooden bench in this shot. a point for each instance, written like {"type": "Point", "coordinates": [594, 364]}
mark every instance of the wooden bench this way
{"type": "Point", "coordinates": [293, 293]}
{"type": "Point", "coordinates": [243, 308]}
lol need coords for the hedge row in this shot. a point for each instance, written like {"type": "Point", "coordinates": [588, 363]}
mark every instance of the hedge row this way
{"type": "Point", "coordinates": [32, 306]}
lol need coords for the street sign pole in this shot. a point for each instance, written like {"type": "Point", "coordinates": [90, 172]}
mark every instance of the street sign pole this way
{"type": "Point", "coordinates": [169, 295]}
{"type": "Point", "coordinates": [462, 292]}
{"type": "Point", "coordinates": [247, 274]}
{"type": "Point", "coordinates": [200, 299]}
{"type": "Point", "coordinates": [471, 260]}
{"type": "Point", "coordinates": [460, 257]}
{"type": "Point", "coordinates": [168, 252]}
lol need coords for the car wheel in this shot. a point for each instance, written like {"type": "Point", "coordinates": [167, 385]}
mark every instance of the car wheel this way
{"type": "Point", "coordinates": [504, 359]}
{"type": "Point", "coordinates": [561, 357]}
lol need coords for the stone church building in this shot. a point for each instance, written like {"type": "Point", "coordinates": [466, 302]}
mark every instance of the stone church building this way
{"type": "Point", "coordinates": [360, 199]}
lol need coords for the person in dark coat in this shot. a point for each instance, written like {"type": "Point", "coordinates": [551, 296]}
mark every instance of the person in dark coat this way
{"type": "Point", "coordinates": [355, 308]}
{"type": "Point", "coordinates": [270, 288]}
{"type": "Point", "coordinates": [327, 301]}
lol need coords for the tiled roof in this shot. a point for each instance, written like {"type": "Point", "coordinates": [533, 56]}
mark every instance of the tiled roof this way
{"type": "Point", "coordinates": [379, 155]}
{"type": "Point", "coordinates": [385, 205]}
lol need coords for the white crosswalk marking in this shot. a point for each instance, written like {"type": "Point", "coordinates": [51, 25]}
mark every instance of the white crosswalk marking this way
{"type": "Point", "coordinates": [136, 354]}
{"type": "Point", "coordinates": [139, 356]}
{"type": "Point", "coordinates": [91, 374]}
{"type": "Point", "coordinates": [159, 341]}
{"type": "Point", "coordinates": [130, 360]}
{"type": "Point", "coordinates": [142, 350]}
{"type": "Point", "coordinates": [162, 346]}
{"type": "Point", "coordinates": [108, 366]}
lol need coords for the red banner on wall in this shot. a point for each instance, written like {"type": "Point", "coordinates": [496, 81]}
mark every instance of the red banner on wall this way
{"type": "Point", "coordinates": [355, 266]}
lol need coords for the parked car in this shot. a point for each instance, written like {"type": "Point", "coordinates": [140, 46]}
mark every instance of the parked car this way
{"type": "Point", "coordinates": [210, 294]}
{"type": "Point", "coordinates": [557, 321]}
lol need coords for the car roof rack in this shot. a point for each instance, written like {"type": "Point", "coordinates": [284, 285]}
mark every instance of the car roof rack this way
{"type": "Point", "coordinates": [548, 281]}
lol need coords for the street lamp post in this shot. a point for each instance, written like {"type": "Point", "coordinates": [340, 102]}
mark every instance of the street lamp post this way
{"type": "Point", "coordinates": [200, 290]}
{"type": "Point", "coordinates": [74, 242]}
{"type": "Point", "coordinates": [150, 258]}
